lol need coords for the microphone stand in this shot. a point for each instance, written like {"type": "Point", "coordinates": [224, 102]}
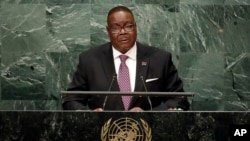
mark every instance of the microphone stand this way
{"type": "Point", "coordinates": [110, 86]}
{"type": "Point", "coordinates": [146, 90]}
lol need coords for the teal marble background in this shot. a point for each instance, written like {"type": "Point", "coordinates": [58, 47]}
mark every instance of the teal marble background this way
{"type": "Point", "coordinates": [40, 41]}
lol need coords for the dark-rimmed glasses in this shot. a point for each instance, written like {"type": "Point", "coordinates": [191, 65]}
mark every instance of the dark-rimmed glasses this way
{"type": "Point", "coordinates": [117, 29]}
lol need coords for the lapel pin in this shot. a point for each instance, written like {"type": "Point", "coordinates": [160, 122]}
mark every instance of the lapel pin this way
{"type": "Point", "coordinates": [143, 63]}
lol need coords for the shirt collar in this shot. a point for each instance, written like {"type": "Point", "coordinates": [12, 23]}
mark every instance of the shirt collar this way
{"type": "Point", "coordinates": [130, 53]}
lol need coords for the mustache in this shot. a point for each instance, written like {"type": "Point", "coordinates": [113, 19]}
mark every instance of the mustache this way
{"type": "Point", "coordinates": [123, 37]}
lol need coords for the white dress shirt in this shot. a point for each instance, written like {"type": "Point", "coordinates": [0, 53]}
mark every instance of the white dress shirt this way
{"type": "Point", "coordinates": [130, 62]}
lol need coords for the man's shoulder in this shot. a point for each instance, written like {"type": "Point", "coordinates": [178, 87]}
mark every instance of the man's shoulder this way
{"type": "Point", "coordinates": [148, 49]}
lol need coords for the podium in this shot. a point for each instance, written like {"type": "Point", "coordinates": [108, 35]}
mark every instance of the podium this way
{"type": "Point", "coordinates": [121, 125]}
{"type": "Point", "coordinates": [99, 126]}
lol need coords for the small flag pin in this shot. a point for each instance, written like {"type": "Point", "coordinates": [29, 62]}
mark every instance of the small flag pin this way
{"type": "Point", "coordinates": [143, 63]}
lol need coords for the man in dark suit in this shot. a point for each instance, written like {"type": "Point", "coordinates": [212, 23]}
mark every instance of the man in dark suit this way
{"type": "Point", "coordinates": [150, 69]}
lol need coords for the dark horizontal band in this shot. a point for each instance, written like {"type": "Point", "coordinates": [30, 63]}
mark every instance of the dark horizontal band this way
{"type": "Point", "coordinates": [127, 93]}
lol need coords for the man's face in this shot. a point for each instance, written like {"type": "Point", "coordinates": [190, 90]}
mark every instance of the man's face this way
{"type": "Point", "coordinates": [122, 30]}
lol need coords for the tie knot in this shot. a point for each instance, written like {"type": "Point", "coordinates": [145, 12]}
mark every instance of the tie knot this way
{"type": "Point", "coordinates": [123, 58]}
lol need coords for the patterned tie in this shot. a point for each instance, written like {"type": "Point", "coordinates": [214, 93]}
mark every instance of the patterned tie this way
{"type": "Point", "coordinates": [124, 81]}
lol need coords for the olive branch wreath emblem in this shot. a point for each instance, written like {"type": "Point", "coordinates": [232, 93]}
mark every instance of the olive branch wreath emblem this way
{"type": "Point", "coordinates": [105, 129]}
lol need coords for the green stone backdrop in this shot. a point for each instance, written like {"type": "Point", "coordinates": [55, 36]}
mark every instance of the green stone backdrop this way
{"type": "Point", "coordinates": [40, 41]}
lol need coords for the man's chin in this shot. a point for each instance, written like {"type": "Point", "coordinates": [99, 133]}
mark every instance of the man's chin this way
{"type": "Point", "coordinates": [124, 49]}
{"type": "Point", "coordinates": [126, 45]}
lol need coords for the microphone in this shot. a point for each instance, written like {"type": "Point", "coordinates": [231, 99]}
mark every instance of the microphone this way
{"type": "Point", "coordinates": [110, 86]}
{"type": "Point", "coordinates": [146, 90]}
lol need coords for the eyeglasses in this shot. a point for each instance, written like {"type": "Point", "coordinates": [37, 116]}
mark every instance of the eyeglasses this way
{"type": "Point", "coordinates": [127, 28]}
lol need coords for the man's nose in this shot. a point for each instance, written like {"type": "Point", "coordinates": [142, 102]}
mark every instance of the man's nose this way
{"type": "Point", "coordinates": [122, 31]}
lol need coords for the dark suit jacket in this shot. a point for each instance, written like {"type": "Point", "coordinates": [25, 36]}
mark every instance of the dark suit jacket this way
{"type": "Point", "coordinates": [96, 70]}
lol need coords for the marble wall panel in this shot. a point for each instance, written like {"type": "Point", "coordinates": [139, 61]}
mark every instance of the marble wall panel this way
{"type": "Point", "coordinates": [98, 22]}
{"type": "Point", "coordinates": [157, 26]}
{"type": "Point", "coordinates": [236, 28]}
{"type": "Point", "coordinates": [202, 2]}
{"type": "Point", "coordinates": [237, 78]}
{"type": "Point", "coordinates": [237, 2]}
{"type": "Point", "coordinates": [24, 41]}
{"type": "Point", "coordinates": [201, 28]}
{"type": "Point", "coordinates": [203, 76]}
{"type": "Point", "coordinates": [45, 1]}
{"type": "Point", "coordinates": [127, 2]}
{"type": "Point", "coordinates": [69, 25]}
{"type": "Point", "coordinates": [20, 105]}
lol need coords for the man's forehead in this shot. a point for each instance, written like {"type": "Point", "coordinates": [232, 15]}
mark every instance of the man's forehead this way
{"type": "Point", "coordinates": [120, 15]}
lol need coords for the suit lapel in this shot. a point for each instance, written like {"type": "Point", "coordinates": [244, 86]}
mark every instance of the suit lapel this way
{"type": "Point", "coordinates": [109, 67]}
{"type": "Point", "coordinates": [141, 68]}
{"type": "Point", "coordinates": [141, 71]}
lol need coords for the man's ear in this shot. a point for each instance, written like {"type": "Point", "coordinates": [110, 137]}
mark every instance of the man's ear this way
{"type": "Point", "coordinates": [107, 29]}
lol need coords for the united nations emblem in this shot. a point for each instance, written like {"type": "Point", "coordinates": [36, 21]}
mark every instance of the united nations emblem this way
{"type": "Point", "coordinates": [126, 129]}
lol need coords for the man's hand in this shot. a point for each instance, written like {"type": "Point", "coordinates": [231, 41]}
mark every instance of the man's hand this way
{"type": "Point", "coordinates": [175, 109]}
{"type": "Point", "coordinates": [136, 109]}
{"type": "Point", "coordinates": [98, 110]}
